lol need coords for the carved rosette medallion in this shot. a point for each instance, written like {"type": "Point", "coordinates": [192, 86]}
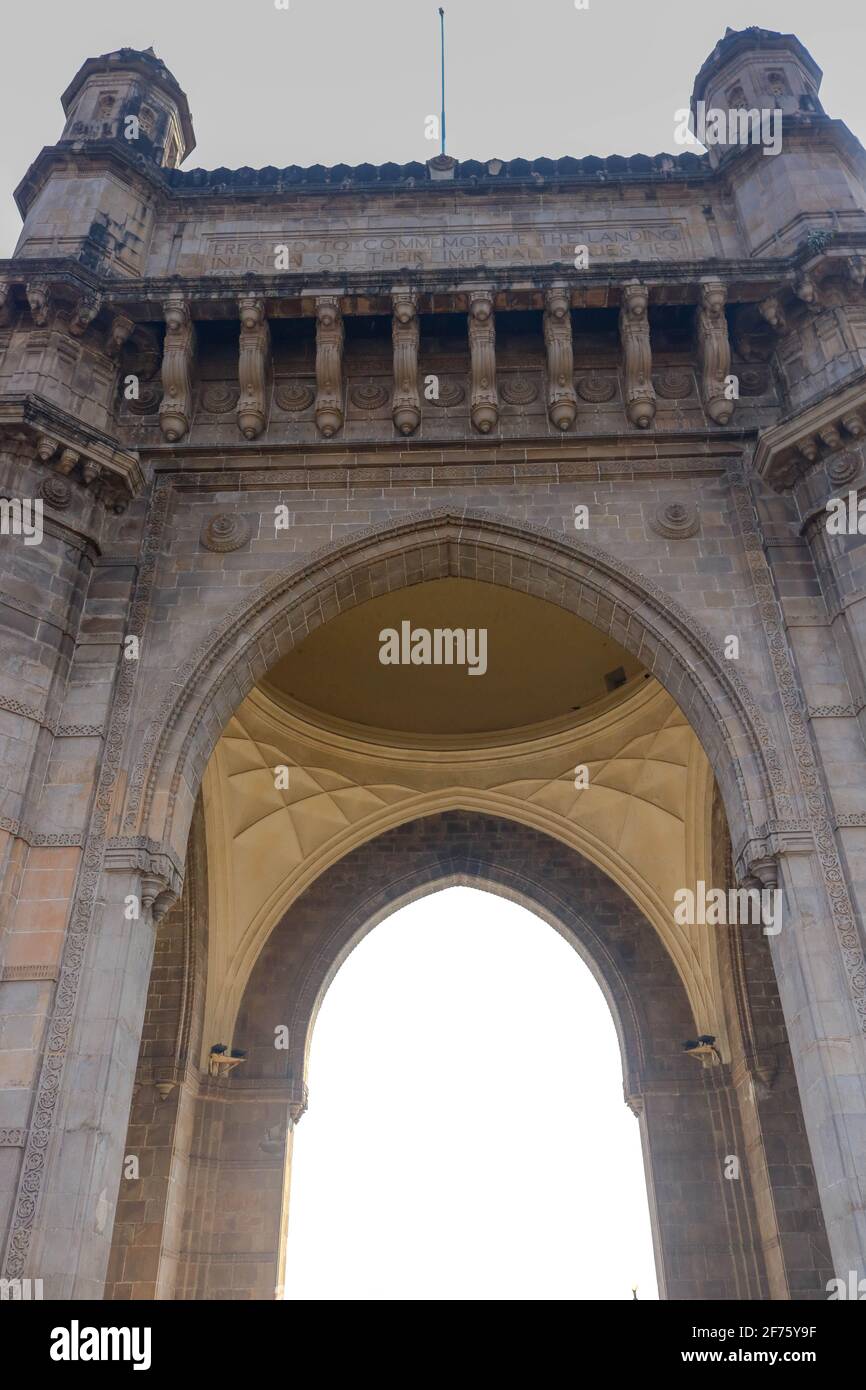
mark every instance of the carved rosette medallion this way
{"type": "Point", "coordinates": [368, 397]}
{"type": "Point", "coordinates": [561, 397]}
{"type": "Point", "coordinates": [294, 396]}
{"type": "Point", "coordinates": [518, 391]}
{"type": "Point", "coordinates": [219, 398]}
{"type": "Point", "coordinates": [146, 402]}
{"type": "Point", "coordinates": [714, 351]}
{"type": "Point", "coordinates": [596, 389]}
{"type": "Point", "coordinates": [224, 532]}
{"type": "Point", "coordinates": [405, 334]}
{"type": "Point", "coordinates": [673, 384]}
{"type": "Point", "coordinates": [56, 492]}
{"type": "Point", "coordinates": [640, 397]}
{"type": "Point", "coordinates": [451, 393]}
{"type": "Point", "coordinates": [329, 365]}
{"type": "Point", "coordinates": [843, 469]}
{"type": "Point", "coordinates": [675, 521]}
{"type": "Point", "coordinates": [484, 408]}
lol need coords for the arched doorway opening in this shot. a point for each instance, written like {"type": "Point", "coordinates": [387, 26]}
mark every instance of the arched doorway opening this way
{"type": "Point", "coordinates": [468, 1138]}
{"type": "Point", "coordinates": [372, 817]}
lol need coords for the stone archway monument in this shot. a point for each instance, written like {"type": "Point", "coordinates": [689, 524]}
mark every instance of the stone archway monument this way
{"type": "Point", "coordinates": [603, 431]}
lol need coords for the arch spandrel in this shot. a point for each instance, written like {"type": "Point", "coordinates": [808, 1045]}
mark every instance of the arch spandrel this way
{"type": "Point", "coordinates": [645, 620]}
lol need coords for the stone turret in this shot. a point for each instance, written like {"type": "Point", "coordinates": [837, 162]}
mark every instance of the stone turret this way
{"type": "Point", "coordinates": [131, 96]}
{"type": "Point", "coordinates": [758, 69]}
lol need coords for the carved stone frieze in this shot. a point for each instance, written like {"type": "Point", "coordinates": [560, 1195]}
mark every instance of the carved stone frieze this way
{"type": "Point", "coordinates": [785, 451]}
{"type": "Point", "coordinates": [640, 398]}
{"type": "Point", "coordinates": [596, 389]}
{"type": "Point", "coordinates": [218, 398]}
{"type": "Point", "coordinates": [561, 397]}
{"type": "Point", "coordinates": [673, 384]}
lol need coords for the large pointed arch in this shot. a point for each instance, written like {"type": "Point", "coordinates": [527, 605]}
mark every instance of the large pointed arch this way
{"type": "Point", "coordinates": [594, 585]}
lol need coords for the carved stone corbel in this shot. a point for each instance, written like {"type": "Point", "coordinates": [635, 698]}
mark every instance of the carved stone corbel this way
{"type": "Point", "coordinates": [855, 267]}
{"type": "Point", "coordinates": [714, 351]}
{"type": "Point", "coordinates": [806, 290]}
{"type": "Point", "coordinates": [39, 299]}
{"type": "Point", "coordinates": [254, 360]}
{"type": "Point", "coordinates": [5, 302]}
{"type": "Point", "coordinates": [329, 365]}
{"type": "Point", "coordinates": [561, 395]}
{"type": "Point", "coordinates": [484, 409]}
{"type": "Point", "coordinates": [117, 336]}
{"type": "Point", "coordinates": [84, 313]}
{"type": "Point", "coordinates": [178, 356]}
{"type": "Point", "coordinates": [772, 312]}
{"type": "Point", "coordinates": [405, 333]}
{"type": "Point", "coordinates": [640, 397]}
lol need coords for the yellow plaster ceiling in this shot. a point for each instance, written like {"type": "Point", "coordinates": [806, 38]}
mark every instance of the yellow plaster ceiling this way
{"type": "Point", "coordinates": [542, 663]}
{"type": "Point", "coordinates": [644, 818]}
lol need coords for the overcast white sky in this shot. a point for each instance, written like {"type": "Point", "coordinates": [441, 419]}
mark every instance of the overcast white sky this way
{"type": "Point", "coordinates": [467, 1136]}
{"type": "Point", "coordinates": [332, 81]}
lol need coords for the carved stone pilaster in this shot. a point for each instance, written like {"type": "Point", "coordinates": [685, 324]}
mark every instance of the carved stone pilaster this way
{"type": "Point", "coordinates": [117, 336]}
{"type": "Point", "coordinates": [175, 411]}
{"type": "Point", "coordinates": [640, 397]}
{"type": "Point", "coordinates": [254, 362]}
{"type": "Point", "coordinates": [39, 299]}
{"type": "Point", "coordinates": [406, 406]}
{"type": "Point", "coordinates": [329, 365]}
{"type": "Point", "coordinates": [561, 395]}
{"type": "Point", "coordinates": [482, 349]}
{"type": "Point", "coordinates": [714, 351]}
{"type": "Point", "coordinates": [84, 313]}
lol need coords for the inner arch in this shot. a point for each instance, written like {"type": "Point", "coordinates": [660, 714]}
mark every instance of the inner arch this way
{"type": "Point", "coordinates": [467, 1137]}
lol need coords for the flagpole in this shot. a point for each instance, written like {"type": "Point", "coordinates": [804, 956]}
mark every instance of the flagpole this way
{"type": "Point", "coordinates": [442, 43]}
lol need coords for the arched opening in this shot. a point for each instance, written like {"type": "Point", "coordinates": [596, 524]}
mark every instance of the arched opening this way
{"type": "Point", "coordinates": [468, 1138]}
{"type": "Point", "coordinates": [394, 787]}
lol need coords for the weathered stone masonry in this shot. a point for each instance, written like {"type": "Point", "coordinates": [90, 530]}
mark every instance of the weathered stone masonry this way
{"type": "Point", "coordinates": [409, 361]}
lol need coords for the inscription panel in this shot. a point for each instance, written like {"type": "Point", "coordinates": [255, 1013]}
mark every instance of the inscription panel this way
{"type": "Point", "coordinates": [400, 248]}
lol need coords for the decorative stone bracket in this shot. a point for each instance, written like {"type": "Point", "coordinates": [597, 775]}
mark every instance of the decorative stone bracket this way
{"type": "Point", "coordinates": [714, 351]}
{"type": "Point", "coordinates": [157, 866]}
{"type": "Point", "coordinates": [484, 408]}
{"type": "Point", "coordinates": [329, 365]}
{"type": "Point", "coordinates": [175, 411]}
{"type": "Point", "coordinates": [640, 397]}
{"type": "Point", "coordinates": [405, 333]}
{"type": "Point", "coordinates": [73, 452]}
{"type": "Point", "coordinates": [253, 366]}
{"type": "Point", "coordinates": [561, 395]}
{"type": "Point", "coordinates": [786, 451]}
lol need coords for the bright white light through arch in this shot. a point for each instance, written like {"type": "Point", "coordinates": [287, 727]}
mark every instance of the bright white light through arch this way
{"type": "Point", "coordinates": [467, 1136]}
